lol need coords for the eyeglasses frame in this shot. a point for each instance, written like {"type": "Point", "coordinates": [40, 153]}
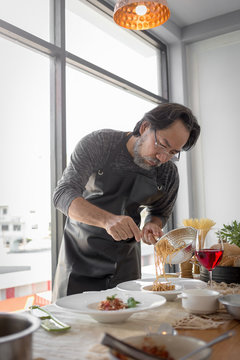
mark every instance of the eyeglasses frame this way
{"type": "Point", "coordinates": [175, 157]}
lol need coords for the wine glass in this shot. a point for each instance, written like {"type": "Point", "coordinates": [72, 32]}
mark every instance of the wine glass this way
{"type": "Point", "coordinates": [209, 249]}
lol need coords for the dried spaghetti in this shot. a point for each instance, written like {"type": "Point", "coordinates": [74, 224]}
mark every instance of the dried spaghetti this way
{"type": "Point", "coordinates": [203, 225]}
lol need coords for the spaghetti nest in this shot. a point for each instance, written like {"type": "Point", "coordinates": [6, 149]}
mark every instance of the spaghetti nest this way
{"type": "Point", "coordinates": [157, 286]}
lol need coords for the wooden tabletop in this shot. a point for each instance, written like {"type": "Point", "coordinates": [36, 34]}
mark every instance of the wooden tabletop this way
{"type": "Point", "coordinates": [226, 350]}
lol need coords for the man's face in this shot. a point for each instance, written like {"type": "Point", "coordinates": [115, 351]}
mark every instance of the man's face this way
{"type": "Point", "coordinates": [148, 153]}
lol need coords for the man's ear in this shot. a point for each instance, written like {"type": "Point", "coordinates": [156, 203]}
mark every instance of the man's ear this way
{"type": "Point", "coordinates": [144, 126]}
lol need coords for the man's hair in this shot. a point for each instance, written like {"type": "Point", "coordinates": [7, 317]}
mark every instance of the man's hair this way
{"type": "Point", "coordinates": [164, 115]}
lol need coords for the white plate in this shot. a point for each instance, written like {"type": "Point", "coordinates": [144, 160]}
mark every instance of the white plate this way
{"type": "Point", "coordinates": [136, 285]}
{"type": "Point", "coordinates": [86, 303]}
{"type": "Point", "coordinates": [170, 295]}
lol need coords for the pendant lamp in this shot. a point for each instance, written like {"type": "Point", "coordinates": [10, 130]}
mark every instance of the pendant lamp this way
{"type": "Point", "coordinates": [141, 15]}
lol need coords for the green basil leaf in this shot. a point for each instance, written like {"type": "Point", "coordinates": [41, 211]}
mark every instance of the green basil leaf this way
{"type": "Point", "coordinates": [131, 302]}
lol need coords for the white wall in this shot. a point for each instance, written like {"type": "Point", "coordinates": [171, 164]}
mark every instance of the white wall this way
{"type": "Point", "coordinates": [204, 96]}
{"type": "Point", "coordinates": [214, 96]}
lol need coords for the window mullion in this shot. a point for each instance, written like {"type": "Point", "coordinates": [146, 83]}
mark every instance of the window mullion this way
{"type": "Point", "coordinates": [58, 119]}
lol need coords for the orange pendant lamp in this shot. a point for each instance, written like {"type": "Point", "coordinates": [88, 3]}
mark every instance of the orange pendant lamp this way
{"type": "Point", "coordinates": [141, 15]}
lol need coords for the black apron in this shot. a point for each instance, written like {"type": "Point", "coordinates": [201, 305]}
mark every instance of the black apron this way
{"type": "Point", "coordinates": [90, 259]}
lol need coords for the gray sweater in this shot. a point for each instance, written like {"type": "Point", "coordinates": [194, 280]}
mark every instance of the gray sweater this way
{"type": "Point", "coordinates": [91, 154]}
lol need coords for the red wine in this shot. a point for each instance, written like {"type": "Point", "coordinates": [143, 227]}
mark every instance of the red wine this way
{"type": "Point", "coordinates": [209, 258]}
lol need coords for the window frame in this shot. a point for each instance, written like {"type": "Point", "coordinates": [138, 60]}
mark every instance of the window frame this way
{"type": "Point", "coordinates": [59, 57]}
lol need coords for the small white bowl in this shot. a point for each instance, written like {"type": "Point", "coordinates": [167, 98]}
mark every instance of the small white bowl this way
{"type": "Point", "coordinates": [176, 345]}
{"type": "Point", "coordinates": [170, 295]}
{"type": "Point", "coordinates": [200, 301]}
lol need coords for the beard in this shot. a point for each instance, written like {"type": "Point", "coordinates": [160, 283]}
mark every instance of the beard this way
{"type": "Point", "coordinates": [142, 160]}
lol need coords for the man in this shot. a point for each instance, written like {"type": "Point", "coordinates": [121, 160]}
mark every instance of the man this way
{"type": "Point", "coordinates": [111, 177]}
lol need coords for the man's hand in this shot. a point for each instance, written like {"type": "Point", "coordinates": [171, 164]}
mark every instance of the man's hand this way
{"type": "Point", "coordinates": [150, 232]}
{"type": "Point", "coordinates": [122, 227]}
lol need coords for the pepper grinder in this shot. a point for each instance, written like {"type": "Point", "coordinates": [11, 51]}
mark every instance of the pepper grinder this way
{"type": "Point", "coordinates": [186, 269]}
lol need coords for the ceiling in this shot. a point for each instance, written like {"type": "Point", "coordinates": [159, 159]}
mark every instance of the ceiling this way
{"type": "Point", "coordinates": [195, 20]}
{"type": "Point", "coordinates": [188, 12]}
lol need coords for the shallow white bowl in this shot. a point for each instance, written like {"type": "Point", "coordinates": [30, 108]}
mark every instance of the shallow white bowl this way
{"type": "Point", "coordinates": [200, 301]}
{"type": "Point", "coordinates": [170, 295]}
{"type": "Point", "coordinates": [177, 346]}
{"type": "Point", "coordinates": [87, 303]}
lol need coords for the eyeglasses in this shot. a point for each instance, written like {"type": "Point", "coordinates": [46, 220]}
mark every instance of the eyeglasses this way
{"type": "Point", "coordinates": [162, 149]}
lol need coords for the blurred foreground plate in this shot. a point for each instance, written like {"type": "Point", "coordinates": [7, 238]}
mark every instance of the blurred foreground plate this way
{"type": "Point", "coordinates": [87, 303]}
{"type": "Point", "coordinates": [176, 345]}
{"type": "Point", "coordinates": [136, 285]}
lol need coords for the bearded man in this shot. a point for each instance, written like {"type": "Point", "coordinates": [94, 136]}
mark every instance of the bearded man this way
{"type": "Point", "coordinates": [111, 178]}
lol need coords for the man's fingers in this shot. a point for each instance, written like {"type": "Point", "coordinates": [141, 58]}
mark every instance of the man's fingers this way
{"type": "Point", "coordinates": [122, 228]}
{"type": "Point", "coordinates": [114, 235]}
{"type": "Point", "coordinates": [130, 229]}
{"type": "Point", "coordinates": [151, 238]}
{"type": "Point", "coordinates": [158, 234]}
{"type": "Point", "coordinates": [123, 233]}
{"type": "Point", "coordinates": [148, 237]}
{"type": "Point", "coordinates": [136, 233]}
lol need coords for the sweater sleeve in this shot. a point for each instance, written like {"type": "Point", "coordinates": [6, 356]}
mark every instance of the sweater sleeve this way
{"type": "Point", "coordinates": [87, 157]}
{"type": "Point", "coordinates": [169, 180]}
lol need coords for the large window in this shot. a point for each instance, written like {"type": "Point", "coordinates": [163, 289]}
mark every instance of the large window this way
{"type": "Point", "coordinates": [101, 106]}
{"type": "Point", "coordinates": [25, 237]}
{"type": "Point", "coordinates": [31, 16]}
{"type": "Point", "coordinates": [52, 95]}
{"type": "Point", "coordinates": [97, 39]}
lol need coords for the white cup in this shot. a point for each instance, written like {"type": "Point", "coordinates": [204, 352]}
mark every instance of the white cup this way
{"type": "Point", "coordinates": [200, 301]}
